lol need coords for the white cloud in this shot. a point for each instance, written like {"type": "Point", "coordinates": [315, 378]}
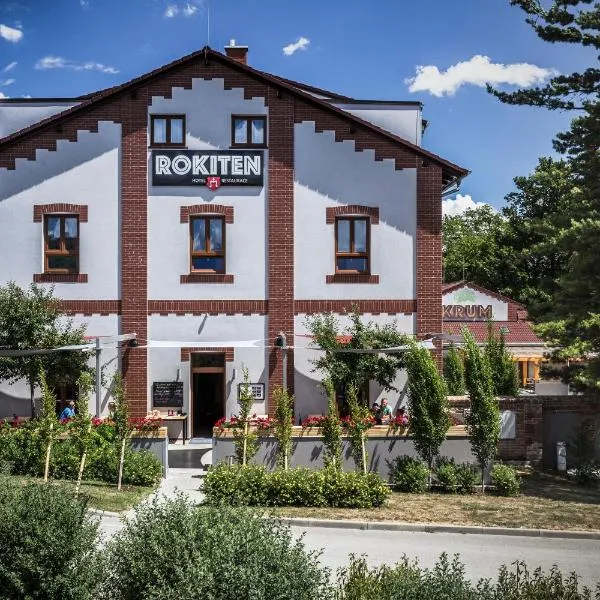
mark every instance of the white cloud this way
{"type": "Point", "coordinates": [187, 9]}
{"type": "Point", "coordinates": [84, 3]}
{"type": "Point", "coordinates": [58, 62]}
{"type": "Point", "coordinates": [9, 67]}
{"type": "Point", "coordinates": [10, 34]}
{"type": "Point", "coordinates": [9, 81]}
{"type": "Point", "coordinates": [301, 44]}
{"type": "Point", "coordinates": [460, 204]}
{"type": "Point", "coordinates": [478, 70]}
{"type": "Point", "coordinates": [3, 96]}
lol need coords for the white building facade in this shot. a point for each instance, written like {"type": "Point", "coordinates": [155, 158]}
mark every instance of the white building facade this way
{"type": "Point", "coordinates": [208, 208]}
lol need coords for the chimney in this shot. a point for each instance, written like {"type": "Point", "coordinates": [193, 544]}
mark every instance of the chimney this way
{"type": "Point", "coordinates": [239, 53]}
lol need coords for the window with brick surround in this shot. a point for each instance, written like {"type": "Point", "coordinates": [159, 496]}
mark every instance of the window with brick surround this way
{"type": "Point", "coordinates": [167, 130]}
{"type": "Point", "coordinates": [61, 244]}
{"type": "Point", "coordinates": [207, 244]}
{"type": "Point", "coordinates": [352, 245]}
{"type": "Point", "coordinates": [248, 131]}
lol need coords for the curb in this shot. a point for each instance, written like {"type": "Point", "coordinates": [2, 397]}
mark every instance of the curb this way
{"type": "Point", "coordinates": [436, 528]}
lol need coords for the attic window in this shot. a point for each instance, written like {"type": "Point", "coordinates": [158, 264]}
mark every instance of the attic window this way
{"type": "Point", "coordinates": [167, 130]}
{"type": "Point", "coordinates": [248, 131]}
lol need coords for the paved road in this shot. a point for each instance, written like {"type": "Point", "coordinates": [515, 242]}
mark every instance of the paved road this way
{"type": "Point", "coordinates": [481, 554]}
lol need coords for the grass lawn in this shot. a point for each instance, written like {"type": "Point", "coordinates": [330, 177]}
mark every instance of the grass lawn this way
{"type": "Point", "coordinates": [548, 501]}
{"type": "Point", "coordinates": [104, 496]}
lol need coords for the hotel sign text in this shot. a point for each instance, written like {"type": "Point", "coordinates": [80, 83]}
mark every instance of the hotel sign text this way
{"type": "Point", "coordinates": [467, 312]}
{"type": "Point", "coordinates": [212, 168]}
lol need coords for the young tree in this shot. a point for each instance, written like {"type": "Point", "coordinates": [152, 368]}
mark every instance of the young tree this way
{"type": "Point", "coordinates": [32, 319]}
{"type": "Point", "coordinates": [82, 426]}
{"type": "Point", "coordinates": [454, 372]}
{"type": "Point", "coordinates": [284, 416]}
{"type": "Point", "coordinates": [502, 365]}
{"type": "Point", "coordinates": [358, 423]}
{"type": "Point", "coordinates": [332, 431]}
{"type": "Point", "coordinates": [246, 441]}
{"type": "Point", "coordinates": [48, 423]}
{"type": "Point", "coordinates": [123, 426]}
{"type": "Point", "coordinates": [355, 368]}
{"type": "Point", "coordinates": [483, 419]}
{"type": "Point", "coordinates": [429, 411]}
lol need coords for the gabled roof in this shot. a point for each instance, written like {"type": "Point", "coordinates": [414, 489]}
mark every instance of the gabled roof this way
{"type": "Point", "coordinates": [450, 287]}
{"type": "Point", "coordinates": [515, 332]}
{"type": "Point", "coordinates": [450, 171]}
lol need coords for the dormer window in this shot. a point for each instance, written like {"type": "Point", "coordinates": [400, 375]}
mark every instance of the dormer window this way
{"type": "Point", "coordinates": [167, 130]}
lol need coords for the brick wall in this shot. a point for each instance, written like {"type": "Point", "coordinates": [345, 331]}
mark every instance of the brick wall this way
{"type": "Point", "coordinates": [280, 233]}
{"type": "Point", "coordinates": [528, 443]}
{"type": "Point", "coordinates": [429, 253]}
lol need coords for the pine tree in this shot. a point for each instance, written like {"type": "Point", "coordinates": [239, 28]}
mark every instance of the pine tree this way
{"type": "Point", "coordinates": [454, 372]}
{"type": "Point", "coordinates": [483, 418]}
{"type": "Point", "coordinates": [567, 22]}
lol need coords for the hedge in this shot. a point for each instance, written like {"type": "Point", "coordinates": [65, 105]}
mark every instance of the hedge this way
{"type": "Point", "coordinates": [253, 485]}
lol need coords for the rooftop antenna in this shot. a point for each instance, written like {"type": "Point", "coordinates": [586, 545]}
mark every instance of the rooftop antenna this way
{"type": "Point", "coordinates": [208, 23]}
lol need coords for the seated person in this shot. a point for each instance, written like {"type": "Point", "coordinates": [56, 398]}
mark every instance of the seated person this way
{"type": "Point", "coordinates": [68, 412]}
{"type": "Point", "coordinates": [401, 416]}
{"type": "Point", "coordinates": [386, 411]}
{"type": "Point", "coordinates": [376, 413]}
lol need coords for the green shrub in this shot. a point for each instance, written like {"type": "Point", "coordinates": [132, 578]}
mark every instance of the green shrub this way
{"type": "Point", "coordinates": [409, 474]}
{"type": "Point", "coordinates": [446, 581]}
{"type": "Point", "coordinates": [174, 551]}
{"type": "Point", "coordinates": [506, 480]}
{"type": "Point", "coordinates": [447, 477]}
{"type": "Point", "coordinates": [467, 477]}
{"type": "Point", "coordinates": [47, 543]}
{"type": "Point", "coordinates": [253, 485]}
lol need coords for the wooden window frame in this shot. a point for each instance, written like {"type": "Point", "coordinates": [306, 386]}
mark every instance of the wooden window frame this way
{"type": "Point", "coordinates": [62, 251]}
{"type": "Point", "coordinates": [223, 253]}
{"type": "Point", "coordinates": [248, 119]}
{"type": "Point", "coordinates": [168, 143]}
{"type": "Point", "coordinates": [351, 254]}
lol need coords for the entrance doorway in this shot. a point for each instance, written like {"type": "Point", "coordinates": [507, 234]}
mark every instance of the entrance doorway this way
{"type": "Point", "coordinates": [208, 392]}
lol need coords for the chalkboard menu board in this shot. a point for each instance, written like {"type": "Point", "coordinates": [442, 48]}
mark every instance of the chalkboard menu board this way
{"type": "Point", "coordinates": [167, 394]}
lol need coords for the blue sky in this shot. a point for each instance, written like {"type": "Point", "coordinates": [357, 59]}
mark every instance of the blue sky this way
{"type": "Point", "coordinates": [361, 49]}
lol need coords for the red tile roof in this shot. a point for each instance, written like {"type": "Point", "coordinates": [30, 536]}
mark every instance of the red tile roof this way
{"type": "Point", "coordinates": [519, 332]}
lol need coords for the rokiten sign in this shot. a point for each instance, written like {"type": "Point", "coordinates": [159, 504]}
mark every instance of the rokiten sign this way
{"type": "Point", "coordinates": [467, 312]}
{"type": "Point", "coordinates": [212, 168]}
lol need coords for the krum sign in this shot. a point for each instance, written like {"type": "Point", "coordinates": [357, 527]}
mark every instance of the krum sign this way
{"type": "Point", "coordinates": [212, 168]}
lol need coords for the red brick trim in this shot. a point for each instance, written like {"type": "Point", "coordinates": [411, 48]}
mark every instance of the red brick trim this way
{"type": "Point", "coordinates": [206, 278]}
{"type": "Point", "coordinates": [60, 278]}
{"type": "Point", "coordinates": [72, 209]}
{"type": "Point", "coordinates": [351, 278]}
{"type": "Point", "coordinates": [331, 212]}
{"type": "Point", "coordinates": [91, 307]}
{"type": "Point", "coordinates": [206, 209]}
{"type": "Point", "coordinates": [228, 352]}
{"type": "Point", "coordinates": [374, 307]}
{"type": "Point", "coordinates": [211, 307]}
{"type": "Point", "coordinates": [429, 252]}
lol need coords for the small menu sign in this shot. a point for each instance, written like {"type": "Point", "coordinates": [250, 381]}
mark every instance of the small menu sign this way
{"type": "Point", "coordinates": [167, 394]}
